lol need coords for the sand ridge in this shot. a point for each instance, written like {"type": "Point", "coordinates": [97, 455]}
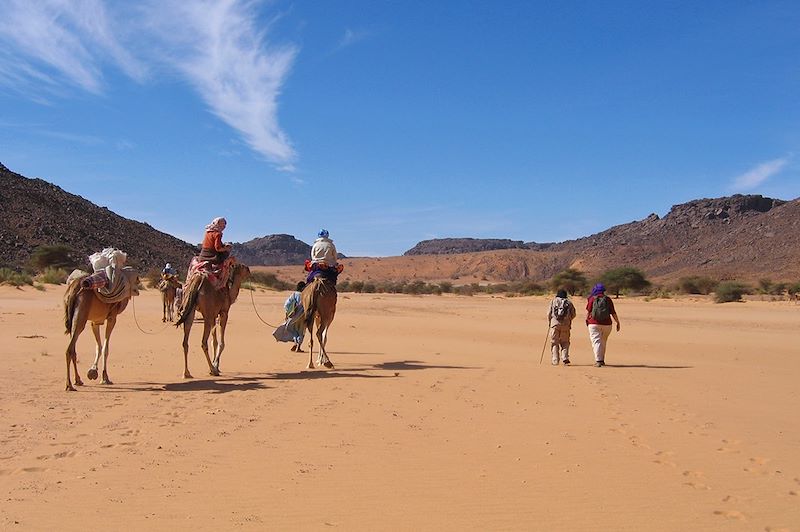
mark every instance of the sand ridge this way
{"type": "Point", "coordinates": [437, 416]}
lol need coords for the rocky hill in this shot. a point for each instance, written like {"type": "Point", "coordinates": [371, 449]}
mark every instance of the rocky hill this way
{"type": "Point", "coordinates": [35, 212]}
{"type": "Point", "coordinates": [737, 237]}
{"type": "Point", "coordinates": [734, 237]}
{"type": "Point", "coordinates": [453, 246]}
{"type": "Point", "coordinates": [272, 250]}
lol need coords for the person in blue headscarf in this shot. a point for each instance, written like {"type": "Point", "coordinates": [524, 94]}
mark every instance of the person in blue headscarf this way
{"type": "Point", "coordinates": [324, 258]}
{"type": "Point", "coordinates": [599, 312]}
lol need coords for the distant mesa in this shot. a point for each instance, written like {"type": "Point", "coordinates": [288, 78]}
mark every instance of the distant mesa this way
{"type": "Point", "coordinates": [453, 246]}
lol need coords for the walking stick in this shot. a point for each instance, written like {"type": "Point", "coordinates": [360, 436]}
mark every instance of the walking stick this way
{"type": "Point", "coordinates": [545, 342]}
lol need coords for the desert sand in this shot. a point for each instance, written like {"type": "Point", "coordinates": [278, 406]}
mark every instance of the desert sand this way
{"type": "Point", "coordinates": [438, 416]}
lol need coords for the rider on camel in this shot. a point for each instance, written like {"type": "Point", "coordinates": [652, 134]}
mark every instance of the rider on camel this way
{"type": "Point", "coordinates": [213, 250]}
{"type": "Point", "coordinates": [323, 258]}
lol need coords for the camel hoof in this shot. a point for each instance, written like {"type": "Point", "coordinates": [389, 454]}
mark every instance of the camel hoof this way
{"type": "Point", "coordinates": [328, 364]}
{"type": "Point", "coordinates": [310, 366]}
{"type": "Point", "coordinates": [70, 388]}
{"type": "Point", "coordinates": [78, 382]}
{"type": "Point", "coordinates": [163, 320]}
{"type": "Point", "coordinates": [187, 375]}
{"type": "Point", "coordinates": [106, 381]}
{"type": "Point", "coordinates": [92, 374]}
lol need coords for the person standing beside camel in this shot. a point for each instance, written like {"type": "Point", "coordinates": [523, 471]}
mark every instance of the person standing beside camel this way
{"type": "Point", "coordinates": [213, 249]}
{"type": "Point", "coordinates": [560, 315]}
{"type": "Point", "coordinates": [599, 311]}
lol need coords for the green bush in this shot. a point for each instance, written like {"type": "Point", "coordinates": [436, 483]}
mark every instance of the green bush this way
{"type": "Point", "coordinates": [266, 279]}
{"type": "Point", "coordinates": [767, 287]}
{"type": "Point", "coordinates": [793, 289]}
{"type": "Point", "coordinates": [571, 280]}
{"type": "Point", "coordinates": [696, 285]}
{"type": "Point", "coordinates": [624, 278]}
{"type": "Point", "coordinates": [52, 275]}
{"type": "Point", "coordinates": [57, 256]}
{"type": "Point", "coordinates": [729, 291]}
{"type": "Point", "coordinates": [9, 276]}
{"type": "Point", "coordinates": [446, 287]}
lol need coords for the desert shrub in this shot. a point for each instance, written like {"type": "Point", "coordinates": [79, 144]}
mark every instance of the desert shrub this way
{"type": "Point", "coordinates": [571, 280]}
{"type": "Point", "coordinates": [728, 291]}
{"type": "Point", "coordinates": [529, 288]}
{"type": "Point", "coordinates": [696, 285]}
{"type": "Point", "coordinates": [269, 280]}
{"type": "Point", "coordinates": [13, 278]}
{"type": "Point", "coordinates": [357, 286]}
{"type": "Point", "coordinates": [52, 275]}
{"type": "Point", "coordinates": [446, 287]}
{"type": "Point", "coordinates": [343, 286]}
{"type": "Point", "coordinates": [658, 292]}
{"type": "Point", "coordinates": [464, 290]}
{"type": "Point", "coordinates": [57, 256]}
{"type": "Point", "coordinates": [369, 288]}
{"type": "Point", "coordinates": [793, 289]}
{"type": "Point", "coordinates": [767, 287]}
{"type": "Point", "coordinates": [152, 277]}
{"type": "Point", "coordinates": [624, 278]}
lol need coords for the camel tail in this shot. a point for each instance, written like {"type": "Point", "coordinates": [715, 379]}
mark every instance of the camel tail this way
{"type": "Point", "coordinates": [70, 302]}
{"type": "Point", "coordinates": [189, 299]}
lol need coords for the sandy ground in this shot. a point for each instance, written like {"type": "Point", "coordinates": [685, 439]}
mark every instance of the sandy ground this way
{"type": "Point", "coordinates": [437, 416]}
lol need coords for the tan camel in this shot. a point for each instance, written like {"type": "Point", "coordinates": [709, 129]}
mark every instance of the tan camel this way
{"type": "Point", "coordinates": [199, 294]}
{"type": "Point", "coordinates": [82, 305]}
{"type": "Point", "coordinates": [168, 288]}
{"type": "Point", "coordinates": [319, 301]}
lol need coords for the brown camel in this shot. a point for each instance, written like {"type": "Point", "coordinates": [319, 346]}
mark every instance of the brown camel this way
{"type": "Point", "coordinates": [199, 294]}
{"type": "Point", "coordinates": [82, 305]}
{"type": "Point", "coordinates": [168, 288]}
{"type": "Point", "coordinates": [319, 302]}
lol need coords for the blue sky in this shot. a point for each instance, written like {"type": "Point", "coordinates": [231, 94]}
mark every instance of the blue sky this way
{"type": "Point", "coordinates": [390, 122]}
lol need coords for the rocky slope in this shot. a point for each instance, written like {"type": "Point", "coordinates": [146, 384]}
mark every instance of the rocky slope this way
{"type": "Point", "coordinates": [272, 250]}
{"type": "Point", "coordinates": [35, 212]}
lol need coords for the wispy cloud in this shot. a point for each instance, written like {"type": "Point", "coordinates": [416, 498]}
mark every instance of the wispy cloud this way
{"type": "Point", "coordinates": [759, 174]}
{"type": "Point", "coordinates": [217, 46]}
{"type": "Point", "coordinates": [350, 38]}
{"type": "Point", "coordinates": [58, 41]}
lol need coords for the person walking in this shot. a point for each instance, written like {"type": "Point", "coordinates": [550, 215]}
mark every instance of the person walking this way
{"type": "Point", "coordinates": [560, 315]}
{"type": "Point", "coordinates": [599, 312]}
{"type": "Point", "coordinates": [294, 317]}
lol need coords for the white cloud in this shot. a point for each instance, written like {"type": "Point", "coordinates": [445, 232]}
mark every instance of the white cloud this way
{"type": "Point", "coordinates": [350, 38]}
{"type": "Point", "coordinates": [217, 46]}
{"type": "Point", "coordinates": [757, 175]}
{"type": "Point", "coordinates": [221, 52]}
{"type": "Point", "coordinates": [58, 41]}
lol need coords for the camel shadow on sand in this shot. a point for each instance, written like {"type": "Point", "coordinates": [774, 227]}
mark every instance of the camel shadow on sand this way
{"type": "Point", "coordinates": [633, 366]}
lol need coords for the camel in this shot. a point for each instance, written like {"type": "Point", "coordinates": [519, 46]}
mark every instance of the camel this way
{"type": "Point", "coordinates": [82, 305]}
{"type": "Point", "coordinates": [319, 302]}
{"type": "Point", "coordinates": [169, 289]}
{"type": "Point", "coordinates": [199, 294]}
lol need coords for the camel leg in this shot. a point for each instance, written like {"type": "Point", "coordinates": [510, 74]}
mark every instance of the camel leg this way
{"type": "Point", "coordinates": [98, 346]}
{"type": "Point", "coordinates": [310, 345]}
{"type": "Point", "coordinates": [164, 307]}
{"type": "Point", "coordinates": [208, 324]}
{"type": "Point", "coordinates": [78, 324]}
{"type": "Point", "coordinates": [110, 323]}
{"type": "Point", "coordinates": [322, 343]}
{"type": "Point", "coordinates": [187, 327]}
{"type": "Point", "coordinates": [223, 322]}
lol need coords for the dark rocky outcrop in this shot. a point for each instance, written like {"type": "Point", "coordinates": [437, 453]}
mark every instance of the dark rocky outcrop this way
{"type": "Point", "coordinates": [452, 246]}
{"type": "Point", "coordinates": [272, 250]}
{"type": "Point", "coordinates": [34, 213]}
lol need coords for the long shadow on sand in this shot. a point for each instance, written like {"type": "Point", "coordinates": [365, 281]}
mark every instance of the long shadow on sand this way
{"type": "Point", "coordinates": [232, 384]}
{"type": "Point", "coordinates": [324, 374]}
{"type": "Point", "coordinates": [632, 366]}
{"type": "Point", "coordinates": [405, 365]}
